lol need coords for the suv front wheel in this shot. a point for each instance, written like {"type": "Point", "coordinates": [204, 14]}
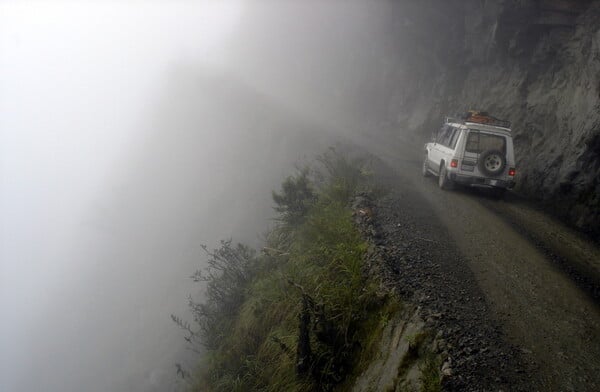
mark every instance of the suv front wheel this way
{"type": "Point", "coordinates": [443, 181]}
{"type": "Point", "coordinates": [425, 171]}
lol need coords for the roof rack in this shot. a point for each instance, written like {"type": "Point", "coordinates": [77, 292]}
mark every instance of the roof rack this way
{"type": "Point", "coordinates": [475, 117]}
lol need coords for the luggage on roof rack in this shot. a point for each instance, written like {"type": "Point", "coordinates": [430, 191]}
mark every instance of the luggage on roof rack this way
{"type": "Point", "coordinates": [478, 117]}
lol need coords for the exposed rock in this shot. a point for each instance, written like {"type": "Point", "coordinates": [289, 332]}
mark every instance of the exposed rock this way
{"type": "Point", "coordinates": [535, 63]}
{"type": "Point", "coordinates": [446, 369]}
{"type": "Point", "coordinates": [394, 353]}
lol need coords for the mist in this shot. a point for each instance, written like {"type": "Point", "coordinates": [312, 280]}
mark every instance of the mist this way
{"type": "Point", "coordinates": [133, 133]}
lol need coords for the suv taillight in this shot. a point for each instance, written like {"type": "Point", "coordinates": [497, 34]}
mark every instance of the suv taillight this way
{"type": "Point", "coordinates": [454, 163]}
{"type": "Point", "coordinates": [512, 171]}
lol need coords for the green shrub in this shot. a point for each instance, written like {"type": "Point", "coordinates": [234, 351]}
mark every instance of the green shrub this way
{"type": "Point", "coordinates": [230, 270]}
{"type": "Point", "coordinates": [430, 374]}
{"type": "Point", "coordinates": [295, 198]}
{"type": "Point", "coordinates": [344, 176]}
{"type": "Point", "coordinates": [291, 318]}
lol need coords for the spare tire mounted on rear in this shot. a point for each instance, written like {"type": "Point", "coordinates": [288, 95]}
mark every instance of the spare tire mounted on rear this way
{"type": "Point", "coordinates": [492, 163]}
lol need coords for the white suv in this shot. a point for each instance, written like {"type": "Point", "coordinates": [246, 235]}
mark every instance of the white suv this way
{"type": "Point", "coordinates": [474, 150]}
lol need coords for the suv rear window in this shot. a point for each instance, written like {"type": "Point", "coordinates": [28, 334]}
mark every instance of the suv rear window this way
{"type": "Point", "coordinates": [477, 142]}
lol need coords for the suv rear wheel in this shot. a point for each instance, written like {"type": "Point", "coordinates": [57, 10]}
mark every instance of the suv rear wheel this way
{"type": "Point", "coordinates": [443, 181]}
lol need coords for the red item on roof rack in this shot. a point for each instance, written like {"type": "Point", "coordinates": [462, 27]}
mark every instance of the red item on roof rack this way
{"type": "Point", "coordinates": [480, 117]}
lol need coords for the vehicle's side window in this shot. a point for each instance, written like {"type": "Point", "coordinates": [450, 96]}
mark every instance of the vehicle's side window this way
{"type": "Point", "coordinates": [448, 135]}
{"type": "Point", "coordinates": [441, 134]}
{"type": "Point", "coordinates": [454, 138]}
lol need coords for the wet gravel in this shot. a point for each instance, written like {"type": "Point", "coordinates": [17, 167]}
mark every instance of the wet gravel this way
{"type": "Point", "coordinates": [423, 266]}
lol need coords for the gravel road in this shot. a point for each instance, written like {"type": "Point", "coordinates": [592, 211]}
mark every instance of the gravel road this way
{"type": "Point", "coordinates": [513, 291]}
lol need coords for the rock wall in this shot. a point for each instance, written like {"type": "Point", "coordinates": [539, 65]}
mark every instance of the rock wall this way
{"type": "Point", "coordinates": [535, 63]}
{"type": "Point", "coordinates": [395, 366]}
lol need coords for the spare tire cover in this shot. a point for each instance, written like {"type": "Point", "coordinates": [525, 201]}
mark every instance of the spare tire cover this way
{"type": "Point", "coordinates": [492, 163]}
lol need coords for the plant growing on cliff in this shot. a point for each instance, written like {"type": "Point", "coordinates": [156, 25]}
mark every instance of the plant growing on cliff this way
{"type": "Point", "coordinates": [295, 199]}
{"type": "Point", "coordinates": [229, 271]}
{"type": "Point", "coordinates": [290, 318]}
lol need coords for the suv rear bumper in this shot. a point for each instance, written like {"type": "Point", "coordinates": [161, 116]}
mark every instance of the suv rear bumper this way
{"type": "Point", "coordinates": [481, 181]}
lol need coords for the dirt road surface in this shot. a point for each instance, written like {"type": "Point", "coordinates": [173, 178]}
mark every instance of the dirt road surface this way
{"type": "Point", "coordinates": [540, 279]}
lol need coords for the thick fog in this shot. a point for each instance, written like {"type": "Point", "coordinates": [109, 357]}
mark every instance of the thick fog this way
{"type": "Point", "coordinates": [130, 134]}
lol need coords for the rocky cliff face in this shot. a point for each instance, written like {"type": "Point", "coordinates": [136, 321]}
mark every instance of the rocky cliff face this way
{"type": "Point", "coordinates": [535, 63]}
{"type": "Point", "coordinates": [404, 65]}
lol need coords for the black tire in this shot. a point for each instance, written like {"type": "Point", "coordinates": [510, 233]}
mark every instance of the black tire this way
{"type": "Point", "coordinates": [425, 169]}
{"type": "Point", "coordinates": [492, 163]}
{"type": "Point", "coordinates": [443, 181]}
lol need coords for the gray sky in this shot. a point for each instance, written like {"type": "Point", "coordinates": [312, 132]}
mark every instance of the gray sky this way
{"type": "Point", "coordinates": [131, 133]}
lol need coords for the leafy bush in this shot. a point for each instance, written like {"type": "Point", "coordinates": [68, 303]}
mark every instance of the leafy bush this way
{"type": "Point", "coordinates": [341, 177]}
{"type": "Point", "coordinates": [295, 198]}
{"type": "Point", "coordinates": [230, 270]}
